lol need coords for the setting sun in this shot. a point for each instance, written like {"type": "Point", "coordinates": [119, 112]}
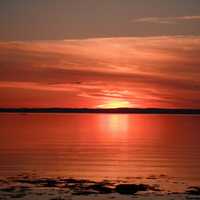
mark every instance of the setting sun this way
{"type": "Point", "coordinates": [99, 99]}
{"type": "Point", "coordinates": [115, 104]}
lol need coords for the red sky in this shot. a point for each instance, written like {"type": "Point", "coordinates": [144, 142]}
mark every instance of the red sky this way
{"type": "Point", "coordinates": [86, 53]}
{"type": "Point", "coordinates": [159, 71]}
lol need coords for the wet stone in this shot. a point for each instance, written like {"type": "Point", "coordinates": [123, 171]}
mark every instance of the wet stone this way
{"type": "Point", "coordinates": [130, 188]}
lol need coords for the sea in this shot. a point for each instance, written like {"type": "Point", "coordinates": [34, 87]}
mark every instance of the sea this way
{"type": "Point", "coordinates": [101, 146]}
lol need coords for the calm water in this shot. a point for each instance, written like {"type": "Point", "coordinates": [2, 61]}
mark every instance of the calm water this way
{"type": "Point", "coordinates": [100, 145]}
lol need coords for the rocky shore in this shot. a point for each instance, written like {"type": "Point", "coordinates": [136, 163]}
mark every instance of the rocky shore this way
{"type": "Point", "coordinates": [30, 188]}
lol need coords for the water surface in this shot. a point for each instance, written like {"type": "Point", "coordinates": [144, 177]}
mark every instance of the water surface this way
{"type": "Point", "coordinates": [100, 145]}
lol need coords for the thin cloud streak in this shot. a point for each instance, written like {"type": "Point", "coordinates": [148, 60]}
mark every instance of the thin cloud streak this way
{"type": "Point", "coordinates": [167, 20]}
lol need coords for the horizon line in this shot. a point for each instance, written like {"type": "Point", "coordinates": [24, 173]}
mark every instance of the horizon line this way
{"type": "Point", "coordinates": [122, 110]}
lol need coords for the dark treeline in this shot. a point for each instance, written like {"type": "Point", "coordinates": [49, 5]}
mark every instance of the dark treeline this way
{"type": "Point", "coordinates": [101, 110]}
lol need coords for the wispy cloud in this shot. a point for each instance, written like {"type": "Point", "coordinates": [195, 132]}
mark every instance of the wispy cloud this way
{"type": "Point", "coordinates": [145, 71]}
{"type": "Point", "coordinates": [167, 20]}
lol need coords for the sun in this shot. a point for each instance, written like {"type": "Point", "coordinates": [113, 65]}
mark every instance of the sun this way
{"type": "Point", "coordinates": [115, 104]}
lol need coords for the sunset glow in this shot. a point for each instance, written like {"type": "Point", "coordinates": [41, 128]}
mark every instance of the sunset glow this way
{"type": "Point", "coordinates": [122, 58]}
{"type": "Point", "coordinates": [109, 72]}
{"type": "Point", "coordinates": [116, 104]}
{"type": "Point", "coordinates": [99, 99]}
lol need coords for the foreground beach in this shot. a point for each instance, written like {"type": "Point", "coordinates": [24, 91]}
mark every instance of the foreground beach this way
{"type": "Point", "coordinates": [31, 187]}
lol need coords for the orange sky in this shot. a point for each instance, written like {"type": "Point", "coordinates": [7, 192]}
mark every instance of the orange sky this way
{"type": "Point", "coordinates": [110, 72]}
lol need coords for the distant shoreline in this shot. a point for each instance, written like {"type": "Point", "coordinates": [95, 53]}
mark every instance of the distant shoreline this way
{"type": "Point", "coordinates": [100, 110]}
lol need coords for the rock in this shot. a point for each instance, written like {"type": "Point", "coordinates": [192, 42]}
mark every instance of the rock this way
{"type": "Point", "coordinates": [45, 182]}
{"type": "Point", "coordinates": [130, 188]}
{"type": "Point", "coordinates": [8, 189]}
{"type": "Point", "coordinates": [102, 189]}
{"type": "Point", "coordinates": [193, 191]}
{"type": "Point", "coordinates": [50, 183]}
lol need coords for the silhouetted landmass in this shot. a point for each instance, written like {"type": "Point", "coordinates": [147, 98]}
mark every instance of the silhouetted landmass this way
{"type": "Point", "coordinates": [100, 110]}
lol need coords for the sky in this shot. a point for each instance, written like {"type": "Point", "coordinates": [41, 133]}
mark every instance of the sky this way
{"type": "Point", "coordinates": [100, 53]}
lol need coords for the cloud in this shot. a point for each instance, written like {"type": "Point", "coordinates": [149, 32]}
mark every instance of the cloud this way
{"type": "Point", "coordinates": [167, 20]}
{"type": "Point", "coordinates": [145, 71]}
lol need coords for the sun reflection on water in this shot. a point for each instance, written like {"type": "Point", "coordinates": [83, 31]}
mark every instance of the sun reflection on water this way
{"type": "Point", "coordinates": [114, 124]}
